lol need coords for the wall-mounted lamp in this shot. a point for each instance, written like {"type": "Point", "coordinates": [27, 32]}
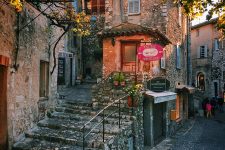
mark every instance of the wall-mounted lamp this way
{"type": "Point", "coordinates": [113, 41]}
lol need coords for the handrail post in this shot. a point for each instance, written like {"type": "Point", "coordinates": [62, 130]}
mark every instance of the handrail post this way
{"type": "Point", "coordinates": [119, 113]}
{"type": "Point", "coordinates": [103, 126]}
{"type": "Point", "coordinates": [83, 136]}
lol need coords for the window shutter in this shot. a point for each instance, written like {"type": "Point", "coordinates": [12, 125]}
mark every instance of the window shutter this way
{"type": "Point", "coordinates": [198, 52]}
{"type": "Point", "coordinates": [205, 51]}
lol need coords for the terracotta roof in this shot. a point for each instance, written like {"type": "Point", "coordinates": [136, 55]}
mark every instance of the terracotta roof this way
{"type": "Point", "coordinates": [212, 21]}
{"type": "Point", "coordinates": [126, 29]}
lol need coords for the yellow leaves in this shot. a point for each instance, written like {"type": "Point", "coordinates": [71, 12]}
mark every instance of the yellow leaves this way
{"type": "Point", "coordinates": [17, 4]}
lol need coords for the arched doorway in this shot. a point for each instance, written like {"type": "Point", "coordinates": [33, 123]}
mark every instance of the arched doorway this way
{"type": "Point", "coordinates": [201, 81]}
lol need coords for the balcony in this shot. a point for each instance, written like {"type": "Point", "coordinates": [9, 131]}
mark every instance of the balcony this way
{"type": "Point", "coordinates": [201, 62]}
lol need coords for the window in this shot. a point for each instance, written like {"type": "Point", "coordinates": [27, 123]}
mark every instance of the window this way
{"type": "Point", "coordinates": [163, 60]}
{"type": "Point", "coordinates": [178, 57]}
{"type": "Point", "coordinates": [202, 52]}
{"type": "Point", "coordinates": [201, 81]}
{"type": "Point", "coordinates": [197, 32]}
{"type": "Point", "coordinates": [133, 6]}
{"type": "Point", "coordinates": [44, 79]}
{"type": "Point", "coordinates": [216, 44]}
{"type": "Point", "coordinates": [95, 6]}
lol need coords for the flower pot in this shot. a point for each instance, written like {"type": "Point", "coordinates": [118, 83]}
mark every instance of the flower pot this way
{"type": "Point", "coordinates": [122, 83]}
{"type": "Point", "coordinates": [116, 83]}
{"type": "Point", "coordinates": [132, 102]}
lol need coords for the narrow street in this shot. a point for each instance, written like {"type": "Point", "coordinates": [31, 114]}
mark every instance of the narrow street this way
{"type": "Point", "coordinates": [198, 134]}
{"type": "Point", "coordinates": [206, 134]}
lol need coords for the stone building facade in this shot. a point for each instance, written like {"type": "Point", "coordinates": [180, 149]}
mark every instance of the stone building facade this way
{"type": "Point", "coordinates": [29, 87]}
{"type": "Point", "coordinates": [133, 23]}
{"type": "Point", "coordinates": [207, 46]}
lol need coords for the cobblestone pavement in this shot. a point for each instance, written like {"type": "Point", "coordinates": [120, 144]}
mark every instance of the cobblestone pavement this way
{"type": "Point", "coordinates": [198, 134]}
{"type": "Point", "coordinates": [78, 93]}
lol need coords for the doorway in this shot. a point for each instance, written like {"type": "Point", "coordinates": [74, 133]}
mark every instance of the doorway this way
{"type": "Point", "coordinates": [129, 56]}
{"type": "Point", "coordinates": [159, 122]}
{"type": "Point", "coordinates": [3, 108]}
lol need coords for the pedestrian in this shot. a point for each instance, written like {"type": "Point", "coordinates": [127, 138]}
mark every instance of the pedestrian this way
{"type": "Point", "coordinates": [208, 109]}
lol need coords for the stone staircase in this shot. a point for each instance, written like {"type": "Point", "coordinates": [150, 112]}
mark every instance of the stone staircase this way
{"type": "Point", "coordinates": [62, 128]}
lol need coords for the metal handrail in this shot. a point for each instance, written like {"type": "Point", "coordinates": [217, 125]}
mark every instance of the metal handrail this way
{"type": "Point", "coordinates": [102, 120]}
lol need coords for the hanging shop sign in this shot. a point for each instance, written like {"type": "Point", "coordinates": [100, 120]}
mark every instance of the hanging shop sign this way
{"type": "Point", "coordinates": [158, 84]}
{"type": "Point", "coordinates": [150, 52]}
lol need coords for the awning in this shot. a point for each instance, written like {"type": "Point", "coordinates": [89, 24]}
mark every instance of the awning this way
{"type": "Point", "coordinates": [185, 88]}
{"type": "Point", "coordinates": [161, 96]}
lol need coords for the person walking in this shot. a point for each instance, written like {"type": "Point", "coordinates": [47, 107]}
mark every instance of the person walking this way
{"type": "Point", "coordinates": [208, 109]}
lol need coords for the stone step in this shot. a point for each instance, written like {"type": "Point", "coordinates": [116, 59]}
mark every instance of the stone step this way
{"type": "Point", "coordinates": [70, 116]}
{"type": "Point", "coordinates": [75, 111]}
{"type": "Point", "coordinates": [36, 144]}
{"type": "Point", "coordinates": [67, 137]}
{"type": "Point", "coordinates": [74, 103]}
{"type": "Point", "coordinates": [111, 126]}
{"type": "Point", "coordinates": [77, 107]}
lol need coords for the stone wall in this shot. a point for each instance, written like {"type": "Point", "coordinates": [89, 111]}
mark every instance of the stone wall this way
{"type": "Point", "coordinates": [25, 107]}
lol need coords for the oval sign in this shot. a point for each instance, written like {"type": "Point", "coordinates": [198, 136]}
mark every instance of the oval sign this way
{"type": "Point", "coordinates": [150, 52]}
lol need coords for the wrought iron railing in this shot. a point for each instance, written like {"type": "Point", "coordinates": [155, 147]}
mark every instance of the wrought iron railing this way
{"type": "Point", "coordinates": [103, 116]}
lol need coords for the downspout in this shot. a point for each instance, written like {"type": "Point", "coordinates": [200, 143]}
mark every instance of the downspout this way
{"type": "Point", "coordinates": [15, 65]}
{"type": "Point", "coordinates": [188, 52]}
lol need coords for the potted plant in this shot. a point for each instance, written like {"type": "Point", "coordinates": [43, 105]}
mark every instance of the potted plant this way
{"type": "Point", "coordinates": [133, 92]}
{"type": "Point", "coordinates": [116, 78]}
{"type": "Point", "coordinates": [122, 79]}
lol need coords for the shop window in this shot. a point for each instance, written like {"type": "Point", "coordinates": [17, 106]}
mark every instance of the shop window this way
{"type": "Point", "coordinates": [44, 79]}
{"type": "Point", "coordinates": [134, 6]}
{"type": "Point", "coordinates": [95, 7]}
{"type": "Point", "coordinates": [201, 81]}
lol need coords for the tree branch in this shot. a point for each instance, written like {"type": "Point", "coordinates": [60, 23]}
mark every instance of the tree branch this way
{"type": "Point", "coordinates": [54, 48]}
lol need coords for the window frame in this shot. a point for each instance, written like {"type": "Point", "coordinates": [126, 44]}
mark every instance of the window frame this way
{"type": "Point", "coordinates": [139, 7]}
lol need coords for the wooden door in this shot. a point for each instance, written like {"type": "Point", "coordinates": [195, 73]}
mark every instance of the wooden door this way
{"type": "Point", "coordinates": [129, 57]}
{"type": "Point", "coordinates": [3, 108]}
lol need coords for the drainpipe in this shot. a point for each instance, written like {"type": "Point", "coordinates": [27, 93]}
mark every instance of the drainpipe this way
{"type": "Point", "coordinates": [188, 52]}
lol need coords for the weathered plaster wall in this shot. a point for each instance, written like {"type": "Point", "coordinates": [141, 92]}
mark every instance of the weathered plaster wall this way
{"type": "Point", "coordinates": [25, 107]}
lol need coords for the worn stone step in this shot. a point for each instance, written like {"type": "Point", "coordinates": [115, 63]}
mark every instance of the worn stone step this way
{"type": "Point", "coordinates": [36, 144]}
{"type": "Point", "coordinates": [75, 111]}
{"type": "Point", "coordinates": [75, 103]}
{"type": "Point", "coordinates": [77, 107]}
{"type": "Point", "coordinates": [111, 126]}
{"type": "Point", "coordinates": [67, 137]}
{"type": "Point", "coordinates": [70, 116]}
